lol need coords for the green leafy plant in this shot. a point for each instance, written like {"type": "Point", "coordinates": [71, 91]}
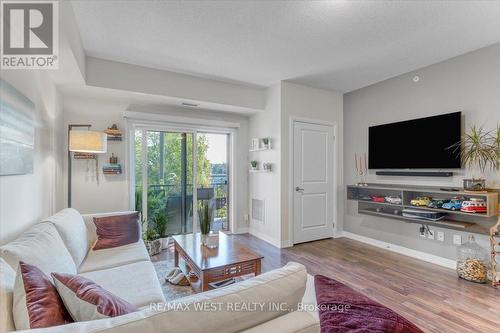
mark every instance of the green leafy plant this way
{"type": "Point", "coordinates": [253, 164]}
{"type": "Point", "coordinates": [265, 141]}
{"type": "Point", "coordinates": [478, 149]}
{"type": "Point", "coordinates": [496, 143]}
{"type": "Point", "coordinates": [150, 234]}
{"type": "Point", "coordinates": [160, 224]}
{"type": "Point", "coordinates": [205, 217]}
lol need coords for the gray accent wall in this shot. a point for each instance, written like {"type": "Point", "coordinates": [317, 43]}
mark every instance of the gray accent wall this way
{"type": "Point", "coordinates": [469, 83]}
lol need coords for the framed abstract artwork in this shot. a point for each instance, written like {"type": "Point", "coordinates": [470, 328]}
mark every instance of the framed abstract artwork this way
{"type": "Point", "coordinates": [17, 131]}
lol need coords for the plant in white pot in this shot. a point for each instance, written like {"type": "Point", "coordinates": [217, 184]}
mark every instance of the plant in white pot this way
{"type": "Point", "coordinates": [160, 224]}
{"type": "Point", "coordinates": [479, 151]}
{"type": "Point", "coordinates": [205, 218]}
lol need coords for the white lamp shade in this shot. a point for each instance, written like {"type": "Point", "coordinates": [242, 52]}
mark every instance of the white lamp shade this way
{"type": "Point", "coordinates": [88, 142]}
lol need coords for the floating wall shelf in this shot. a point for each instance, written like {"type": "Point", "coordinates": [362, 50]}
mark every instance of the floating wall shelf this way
{"type": "Point", "coordinates": [259, 171]}
{"type": "Point", "coordinates": [470, 222]}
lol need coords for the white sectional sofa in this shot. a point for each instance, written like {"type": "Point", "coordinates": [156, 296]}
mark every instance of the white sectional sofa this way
{"type": "Point", "coordinates": [63, 243]}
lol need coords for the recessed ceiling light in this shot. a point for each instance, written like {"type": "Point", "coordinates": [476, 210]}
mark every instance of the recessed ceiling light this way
{"type": "Point", "coordinates": [190, 104]}
{"type": "Point", "coordinates": [416, 78]}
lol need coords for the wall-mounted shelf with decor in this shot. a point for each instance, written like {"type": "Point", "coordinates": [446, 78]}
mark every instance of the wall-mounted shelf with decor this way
{"type": "Point", "coordinates": [114, 134]}
{"type": "Point", "coordinates": [260, 144]}
{"type": "Point", "coordinates": [260, 149]}
{"type": "Point", "coordinates": [259, 171]}
{"type": "Point", "coordinates": [112, 169]}
{"type": "Point", "coordinates": [455, 219]}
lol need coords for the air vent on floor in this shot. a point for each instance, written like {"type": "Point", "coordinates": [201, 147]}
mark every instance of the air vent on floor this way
{"type": "Point", "coordinates": [258, 210]}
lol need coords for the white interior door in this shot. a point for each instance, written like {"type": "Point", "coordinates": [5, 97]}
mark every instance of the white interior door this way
{"type": "Point", "coordinates": [313, 181]}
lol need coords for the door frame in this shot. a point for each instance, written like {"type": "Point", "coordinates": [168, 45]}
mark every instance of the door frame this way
{"type": "Point", "coordinates": [194, 129]}
{"type": "Point", "coordinates": [291, 189]}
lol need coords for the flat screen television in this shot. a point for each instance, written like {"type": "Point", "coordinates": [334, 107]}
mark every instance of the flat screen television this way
{"type": "Point", "coordinates": [416, 144]}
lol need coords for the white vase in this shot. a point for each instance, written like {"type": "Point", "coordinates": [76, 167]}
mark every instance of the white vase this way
{"type": "Point", "coordinates": [164, 242]}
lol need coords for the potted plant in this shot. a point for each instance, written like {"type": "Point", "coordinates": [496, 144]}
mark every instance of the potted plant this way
{"type": "Point", "coordinates": [479, 151]}
{"type": "Point", "coordinates": [254, 164]}
{"type": "Point", "coordinates": [161, 228]}
{"type": "Point", "coordinates": [151, 239]}
{"type": "Point", "coordinates": [266, 142]}
{"type": "Point", "coordinates": [205, 218]}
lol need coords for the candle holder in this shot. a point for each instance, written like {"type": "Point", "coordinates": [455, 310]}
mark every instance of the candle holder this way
{"type": "Point", "coordinates": [361, 168]}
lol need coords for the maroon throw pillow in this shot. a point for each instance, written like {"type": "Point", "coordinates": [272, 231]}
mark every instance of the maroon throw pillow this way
{"type": "Point", "coordinates": [116, 230]}
{"type": "Point", "coordinates": [44, 306]}
{"type": "Point", "coordinates": [86, 300]}
{"type": "Point", "coordinates": [342, 309]}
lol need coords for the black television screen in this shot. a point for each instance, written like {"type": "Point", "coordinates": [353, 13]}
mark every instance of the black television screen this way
{"type": "Point", "coordinates": [416, 144]}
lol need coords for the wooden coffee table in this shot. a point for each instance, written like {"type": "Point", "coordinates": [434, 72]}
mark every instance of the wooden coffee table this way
{"type": "Point", "coordinates": [203, 266]}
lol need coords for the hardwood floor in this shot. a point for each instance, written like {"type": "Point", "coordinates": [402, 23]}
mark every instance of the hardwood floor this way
{"type": "Point", "coordinates": [430, 296]}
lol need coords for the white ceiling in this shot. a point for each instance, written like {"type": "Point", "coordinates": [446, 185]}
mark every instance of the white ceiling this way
{"type": "Point", "coordinates": [340, 45]}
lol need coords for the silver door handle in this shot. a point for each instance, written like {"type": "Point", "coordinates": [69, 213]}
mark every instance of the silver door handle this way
{"type": "Point", "coordinates": [298, 189]}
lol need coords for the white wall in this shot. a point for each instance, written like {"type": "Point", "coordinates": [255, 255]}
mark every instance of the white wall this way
{"type": "Point", "coordinates": [267, 186]}
{"type": "Point", "coordinates": [316, 104]}
{"type": "Point", "coordinates": [111, 194]}
{"type": "Point", "coordinates": [469, 83]}
{"type": "Point", "coordinates": [284, 101]}
{"type": "Point", "coordinates": [25, 199]}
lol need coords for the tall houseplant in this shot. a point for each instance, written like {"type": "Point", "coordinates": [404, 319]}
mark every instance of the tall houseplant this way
{"type": "Point", "coordinates": [205, 217]}
{"type": "Point", "coordinates": [160, 225]}
{"type": "Point", "coordinates": [479, 151]}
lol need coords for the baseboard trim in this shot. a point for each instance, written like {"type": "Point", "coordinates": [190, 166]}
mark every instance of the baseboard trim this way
{"type": "Point", "coordinates": [264, 237]}
{"type": "Point", "coordinates": [243, 230]}
{"type": "Point", "coordinates": [448, 263]}
{"type": "Point", "coordinates": [286, 243]}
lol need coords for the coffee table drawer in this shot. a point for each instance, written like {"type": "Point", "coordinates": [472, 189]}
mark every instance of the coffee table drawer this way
{"type": "Point", "coordinates": [232, 271]}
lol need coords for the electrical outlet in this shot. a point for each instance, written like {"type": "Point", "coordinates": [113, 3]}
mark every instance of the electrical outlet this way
{"type": "Point", "coordinates": [440, 236]}
{"type": "Point", "coordinates": [457, 240]}
{"type": "Point", "coordinates": [431, 234]}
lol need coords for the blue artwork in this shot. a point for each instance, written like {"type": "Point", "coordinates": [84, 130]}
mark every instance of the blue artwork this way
{"type": "Point", "coordinates": [17, 131]}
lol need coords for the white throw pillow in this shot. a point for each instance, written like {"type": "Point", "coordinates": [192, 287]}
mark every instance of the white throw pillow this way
{"type": "Point", "coordinates": [71, 227]}
{"type": "Point", "coordinates": [42, 247]}
{"type": "Point", "coordinates": [7, 278]}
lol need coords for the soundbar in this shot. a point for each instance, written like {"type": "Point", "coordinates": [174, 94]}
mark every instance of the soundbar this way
{"type": "Point", "coordinates": [415, 173]}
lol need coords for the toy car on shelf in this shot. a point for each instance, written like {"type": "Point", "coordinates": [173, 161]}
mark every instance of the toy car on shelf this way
{"type": "Point", "coordinates": [377, 198]}
{"type": "Point", "coordinates": [454, 203]}
{"type": "Point", "coordinates": [437, 203]}
{"type": "Point", "coordinates": [420, 201]}
{"type": "Point", "coordinates": [474, 205]}
{"type": "Point", "coordinates": [364, 197]}
{"type": "Point", "coordinates": [393, 199]}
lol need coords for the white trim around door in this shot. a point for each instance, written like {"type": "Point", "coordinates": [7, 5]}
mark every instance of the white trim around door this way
{"type": "Point", "coordinates": [291, 185]}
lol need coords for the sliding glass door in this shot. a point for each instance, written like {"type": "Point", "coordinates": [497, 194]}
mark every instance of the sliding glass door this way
{"type": "Point", "coordinates": [165, 177]}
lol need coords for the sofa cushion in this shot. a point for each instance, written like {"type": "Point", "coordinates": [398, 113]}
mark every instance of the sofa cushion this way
{"type": "Point", "coordinates": [284, 285]}
{"type": "Point", "coordinates": [115, 231]}
{"type": "Point", "coordinates": [136, 283]}
{"type": "Point", "coordinates": [117, 256]}
{"type": "Point", "coordinates": [7, 278]}
{"type": "Point", "coordinates": [71, 227]}
{"type": "Point", "coordinates": [37, 303]}
{"type": "Point", "coordinates": [89, 223]}
{"type": "Point", "coordinates": [86, 300]}
{"type": "Point", "coordinates": [40, 246]}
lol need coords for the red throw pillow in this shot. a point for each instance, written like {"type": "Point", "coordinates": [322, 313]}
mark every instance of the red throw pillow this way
{"type": "Point", "coordinates": [86, 300]}
{"type": "Point", "coordinates": [37, 303]}
{"type": "Point", "coordinates": [116, 230]}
